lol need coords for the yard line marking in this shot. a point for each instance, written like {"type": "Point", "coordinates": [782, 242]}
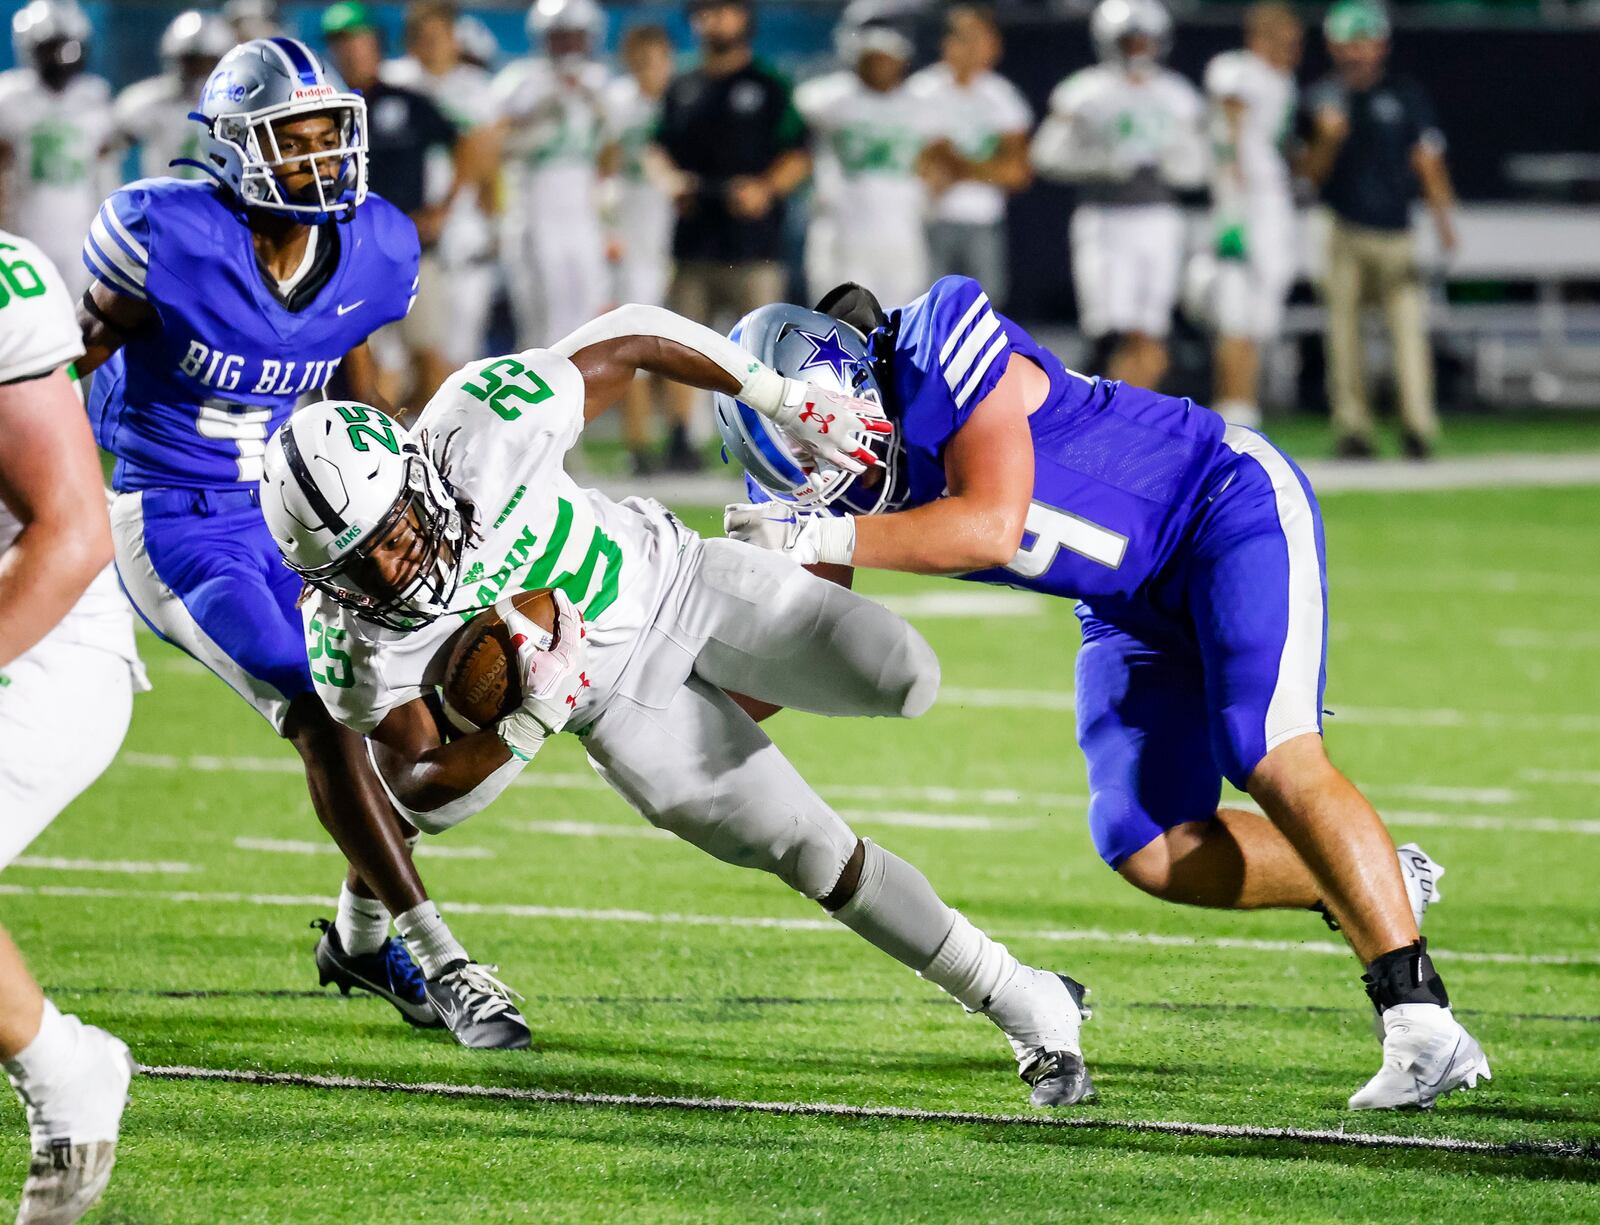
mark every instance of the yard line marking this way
{"type": "Point", "coordinates": [1576, 778]}
{"type": "Point", "coordinates": [429, 848]}
{"type": "Point", "coordinates": [594, 829]}
{"type": "Point", "coordinates": [1444, 795]}
{"type": "Point", "coordinates": [1087, 935]}
{"type": "Point", "coordinates": [986, 604]}
{"type": "Point", "coordinates": [128, 867]}
{"type": "Point", "coordinates": [912, 820]}
{"type": "Point", "coordinates": [1576, 1149]}
{"type": "Point", "coordinates": [1062, 700]}
{"type": "Point", "coordinates": [1515, 825]}
{"type": "Point", "coordinates": [1546, 640]}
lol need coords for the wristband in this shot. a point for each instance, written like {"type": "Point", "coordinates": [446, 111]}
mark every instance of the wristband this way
{"type": "Point", "coordinates": [522, 734]}
{"type": "Point", "coordinates": [836, 540]}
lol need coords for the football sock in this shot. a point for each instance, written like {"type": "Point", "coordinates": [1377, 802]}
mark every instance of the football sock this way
{"type": "Point", "coordinates": [51, 1054]}
{"type": "Point", "coordinates": [895, 908]}
{"type": "Point", "coordinates": [1404, 976]}
{"type": "Point", "coordinates": [971, 966]}
{"type": "Point", "coordinates": [362, 923]}
{"type": "Point", "coordinates": [429, 940]}
{"type": "Point", "coordinates": [1240, 412]}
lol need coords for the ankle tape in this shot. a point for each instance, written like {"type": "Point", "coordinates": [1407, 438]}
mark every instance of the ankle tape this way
{"type": "Point", "coordinates": [1405, 976]}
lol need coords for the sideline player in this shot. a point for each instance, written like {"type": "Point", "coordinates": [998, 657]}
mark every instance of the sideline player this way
{"type": "Point", "coordinates": [1127, 132]}
{"type": "Point", "coordinates": [216, 306]}
{"type": "Point", "coordinates": [55, 130]}
{"type": "Point", "coordinates": [553, 128]}
{"type": "Point", "coordinates": [1195, 551]}
{"type": "Point", "coordinates": [477, 506]}
{"type": "Point", "coordinates": [68, 673]}
{"type": "Point", "coordinates": [154, 113]}
{"type": "Point", "coordinates": [1252, 97]}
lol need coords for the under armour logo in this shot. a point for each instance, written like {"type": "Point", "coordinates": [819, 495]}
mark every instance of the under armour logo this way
{"type": "Point", "coordinates": [583, 683]}
{"type": "Point", "coordinates": [823, 420]}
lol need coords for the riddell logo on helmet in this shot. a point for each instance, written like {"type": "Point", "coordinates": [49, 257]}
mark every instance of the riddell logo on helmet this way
{"type": "Point", "coordinates": [310, 93]}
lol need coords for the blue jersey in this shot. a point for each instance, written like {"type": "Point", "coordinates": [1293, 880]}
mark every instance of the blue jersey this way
{"type": "Point", "coordinates": [192, 400]}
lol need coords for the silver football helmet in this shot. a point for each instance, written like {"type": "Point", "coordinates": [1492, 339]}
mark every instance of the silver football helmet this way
{"type": "Point", "coordinates": [260, 85]}
{"type": "Point", "coordinates": [195, 35]}
{"type": "Point", "coordinates": [562, 27]}
{"type": "Point", "coordinates": [51, 37]}
{"type": "Point", "coordinates": [1113, 22]}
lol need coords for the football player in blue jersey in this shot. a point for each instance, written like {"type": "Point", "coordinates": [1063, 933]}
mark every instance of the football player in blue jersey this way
{"type": "Point", "coordinates": [216, 305]}
{"type": "Point", "coordinates": [1194, 549]}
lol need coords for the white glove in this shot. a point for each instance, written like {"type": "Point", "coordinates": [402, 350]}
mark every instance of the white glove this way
{"type": "Point", "coordinates": [826, 425]}
{"type": "Point", "coordinates": [806, 539]}
{"type": "Point", "coordinates": [551, 669]}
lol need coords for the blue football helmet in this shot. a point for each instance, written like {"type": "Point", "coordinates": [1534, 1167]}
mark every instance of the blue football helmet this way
{"type": "Point", "coordinates": [815, 348]}
{"type": "Point", "coordinates": [265, 82]}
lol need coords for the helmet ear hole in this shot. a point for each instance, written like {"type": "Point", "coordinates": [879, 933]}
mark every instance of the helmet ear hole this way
{"type": "Point", "coordinates": [856, 305]}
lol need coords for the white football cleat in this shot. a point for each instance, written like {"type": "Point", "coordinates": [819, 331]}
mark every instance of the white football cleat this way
{"type": "Point", "coordinates": [74, 1124]}
{"type": "Point", "coordinates": [1041, 1015]}
{"type": "Point", "coordinates": [1426, 1054]}
{"type": "Point", "coordinates": [1421, 876]}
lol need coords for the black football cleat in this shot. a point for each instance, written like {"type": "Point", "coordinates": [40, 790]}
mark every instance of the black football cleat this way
{"type": "Point", "coordinates": [388, 973]}
{"type": "Point", "coordinates": [1059, 1078]}
{"type": "Point", "coordinates": [476, 1007]}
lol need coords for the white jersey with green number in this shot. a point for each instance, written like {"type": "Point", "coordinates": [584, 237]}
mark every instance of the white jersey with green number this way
{"type": "Point", "coordinates": [39, 334]}
{"type": "Point", "coordinates": [867, 145]}
{"type": "Point", "coordinates": [154, 114]}
{"type": "Point", "coordinates": [1266, 95]}
{"type": "Point", "coordinates": [500, 430]}
{"type": "Point", "coordinates": [557, 128]}
{"type": "Point", "coordinates": [58, 174]}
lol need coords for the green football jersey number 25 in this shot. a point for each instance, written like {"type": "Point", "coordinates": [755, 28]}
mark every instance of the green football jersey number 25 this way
{"type": "Point", "coordinates": [506, 379]}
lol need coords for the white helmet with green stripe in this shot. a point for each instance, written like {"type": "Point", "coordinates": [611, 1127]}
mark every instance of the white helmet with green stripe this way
{"type": "Point", "coordinates": [343, 481]}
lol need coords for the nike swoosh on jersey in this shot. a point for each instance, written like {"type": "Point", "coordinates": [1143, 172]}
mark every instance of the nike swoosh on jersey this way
{"type": "Point", "coordinates": [345, 310]}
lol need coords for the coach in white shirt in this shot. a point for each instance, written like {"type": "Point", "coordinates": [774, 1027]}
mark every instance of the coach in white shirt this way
{"type": "Point", "coordinates": [984, 156]}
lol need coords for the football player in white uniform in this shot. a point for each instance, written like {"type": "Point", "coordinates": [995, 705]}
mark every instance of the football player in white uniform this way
{"type": "Point", "coordinates": [68, 673]}
{"type": "Point", "coordinates": [1128, 133]}
{"type": "Point", "coordinates": [154, 113]}
{"type": "Point", "coordinates": [433, 65]}
{"type": "Point", "coordinates": [1252, 96]}
{"type": "Point", "coordinates": [639, 208]}
{"type": "Point", "coordinates": [657, 626]}
{"type": "Point", "coordinates": [55, 130]}
{"type": "Point", "coordinates": [554, 132]}
{"type": "Point", "coordinates": [869, 137]}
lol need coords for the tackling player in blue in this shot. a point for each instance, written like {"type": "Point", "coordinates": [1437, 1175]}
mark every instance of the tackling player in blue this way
{"type": "Point", "coordinates": [1194, 549]}
{"type": "Point", "coordinates": [216, 305]}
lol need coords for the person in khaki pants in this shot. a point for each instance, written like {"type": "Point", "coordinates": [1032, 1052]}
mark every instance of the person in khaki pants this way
{"type": "Point", "coordinates": [1374, 142]}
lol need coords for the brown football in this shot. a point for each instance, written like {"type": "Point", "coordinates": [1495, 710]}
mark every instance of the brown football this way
{"type": "Point", "coordinates": [480, 682]}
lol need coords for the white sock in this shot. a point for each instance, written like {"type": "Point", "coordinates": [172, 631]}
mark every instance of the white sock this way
{"type": "Point", "coordinates": [361, 922]}
{"type": "Point", "coordinates": [970, 966]}
{"type": "Point", "coordinates": [429, 940]}
{"type": "Point", "coordinates": [53, 1052]}
{"type": "Point", "coordinates": [1240, 412]}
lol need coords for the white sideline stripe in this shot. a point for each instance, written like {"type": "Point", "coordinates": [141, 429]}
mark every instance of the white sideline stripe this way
{"type": "Point", "coordinates": [1380, 716]}
{"type": "Point", "coordinates": [1575, 778]}
{"type": "Point", "coordinates": [128, 867]}
{"type": "Point", "coordinates": [1088, 935]}
{"type": "Point", "coordinates": [429, 848]}
{"type": "Point", "coordinates": [724, 1105]}
{"type": "Point", "coordinates": [985, 604]}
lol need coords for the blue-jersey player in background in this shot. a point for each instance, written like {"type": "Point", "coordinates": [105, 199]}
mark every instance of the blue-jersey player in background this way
{"type": "Point", "coordinates": [216, 306]}
{"type": "Point", "coordinates": [1195, 551]}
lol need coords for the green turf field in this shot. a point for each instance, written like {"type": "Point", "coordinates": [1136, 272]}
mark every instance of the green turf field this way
{"type": "Point", "coordinates": [1465, 677]}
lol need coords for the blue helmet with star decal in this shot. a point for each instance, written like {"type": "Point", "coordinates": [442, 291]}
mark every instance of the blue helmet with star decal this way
{"type": "Point", "coordinates": [815, 348]}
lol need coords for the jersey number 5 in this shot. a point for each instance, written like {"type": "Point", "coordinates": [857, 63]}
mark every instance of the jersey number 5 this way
{"type": "Point", "coordinates": [1050, 529]}
{"type": "Point", "coordinates": [518, 383]}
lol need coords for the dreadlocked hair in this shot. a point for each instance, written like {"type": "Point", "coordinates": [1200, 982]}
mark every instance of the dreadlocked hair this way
{"type": "Point", "coordinates": [471, 521]}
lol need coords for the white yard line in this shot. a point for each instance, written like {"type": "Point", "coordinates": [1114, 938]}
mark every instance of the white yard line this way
{"type": "Point", "coordinates": [126, 867]}
{"type": "Point", "coordinates": [1569, 778]}
{"type": "Point", "coordinates": [818, 924]}
{"type": "Point", "coordinates": [863, 816]}
{"type": "Point", "coordinates": [429, 848]}
{"type": "Point", "coordinates": [988, 604]}
{"type": "Point", "coordinates": [1582, 1150]}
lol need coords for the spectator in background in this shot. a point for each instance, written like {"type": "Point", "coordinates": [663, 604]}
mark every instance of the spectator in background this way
{"type": "Point", "coordinates": [433, 65]}
{"type": "Point", "coordinates": [1252, 95]}
{"type": "Point", "coordinates": [154, 113]}
{"type": "Point", "coordinates": [552, 126]}
{"type": "Point", "coordinates": [1373, 140]}
{"type": "Point", "coordinates": [252, 19]}
{"type": "Point", "coordinates": [639, 211]}
{"type": "Point", "coordinates": [869, 140]}
{"type": "Point", "coordinates": [403, 127]}
{"type": "Point", "coordinates": [984, 156]}
{"type": "Point", "coordinates": [476, 43]}
{"type": "Point", "coordinates": [1128, 133]}
{"type": "Point", "coordinates": [730, 130]}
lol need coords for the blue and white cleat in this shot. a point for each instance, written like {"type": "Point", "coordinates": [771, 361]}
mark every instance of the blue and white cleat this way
{"type": "Point", "coordinates": [388, 973]}
{"type": "Point", "coordinates": [1426, 1054]}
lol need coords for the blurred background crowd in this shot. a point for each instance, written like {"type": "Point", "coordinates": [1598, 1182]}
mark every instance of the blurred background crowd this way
{"type": "Point", "coordinates": [1207, 198]}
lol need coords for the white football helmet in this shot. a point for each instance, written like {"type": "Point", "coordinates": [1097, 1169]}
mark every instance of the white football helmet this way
{"type": "Point", "coordinates": [569, 17]}
{"type": "Point", "coordinates": [340, 478]}
{"type": "Point", "coordinates": [1116, 20]}
{"type": "Point", "coordinates": [52, 37]}
{"type": "Point", "coordinates": [195, 35]}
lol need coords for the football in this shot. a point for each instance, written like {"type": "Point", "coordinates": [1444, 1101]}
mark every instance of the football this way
{"type": "Point", "coordinates": [480, 681]}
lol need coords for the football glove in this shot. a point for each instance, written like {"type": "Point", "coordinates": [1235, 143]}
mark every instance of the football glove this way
{"type": "Point", "coordinates": [830, 426]}
{"type": "Point", "coordinates": [805, 539]}
{"type": "Point", "coordinates": [551, 669]}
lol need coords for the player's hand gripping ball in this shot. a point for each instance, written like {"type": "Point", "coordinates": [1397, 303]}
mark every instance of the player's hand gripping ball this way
{"type": "Point", "coordinates": [483, 679]}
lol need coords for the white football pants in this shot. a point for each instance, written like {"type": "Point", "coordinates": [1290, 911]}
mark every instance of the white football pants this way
{"type": "Point", "coordinates": [556, 274]}
{"type": "Point", "coordinates": [1127, 261]}
{"type": "Point", "coordinates": [672, 744]}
